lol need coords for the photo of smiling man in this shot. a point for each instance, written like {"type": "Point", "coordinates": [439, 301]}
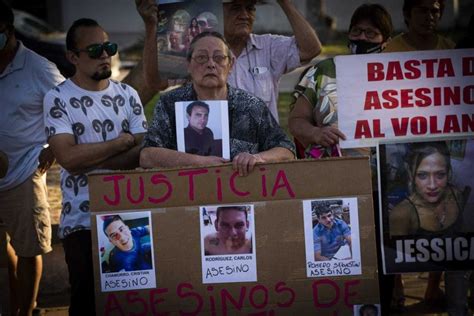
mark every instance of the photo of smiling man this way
{"type": "Point", "coordinates": [125, 245]}
{"type": "Point", "coordinates": [130, 252]}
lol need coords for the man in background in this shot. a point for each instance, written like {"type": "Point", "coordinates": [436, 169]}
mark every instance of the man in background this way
{"type": "Point", "coordinates": [421, 18]}
{"type": "Point", "coordinates": [261, 60]}
{"type": "Point", "coordinates": [25, 78]}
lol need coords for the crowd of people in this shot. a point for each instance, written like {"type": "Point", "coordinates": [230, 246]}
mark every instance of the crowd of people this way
{"type": "Point", "coordinates": [89, 122]}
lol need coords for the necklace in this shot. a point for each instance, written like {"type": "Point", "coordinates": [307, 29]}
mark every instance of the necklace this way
{"type": "Point", "coordinates": [441, 216]}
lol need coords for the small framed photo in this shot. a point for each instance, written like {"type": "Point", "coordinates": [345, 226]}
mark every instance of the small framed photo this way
{"type": "Point", "coordinates": [331, 228]}
{"type": "Point", "coordinates": [228, 251]}
{"type": "Point", "coordinates": [126, 258]}
{"type": "Point", "coordinates": [202, 128]}
{"type": "Point", "coordinates": [367, 310]}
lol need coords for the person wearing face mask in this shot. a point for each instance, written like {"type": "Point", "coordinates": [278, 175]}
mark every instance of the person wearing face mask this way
{"type": "Point", "coordinates": [313, 119]}
{"type": "Point", "coordinates": [25, 78]}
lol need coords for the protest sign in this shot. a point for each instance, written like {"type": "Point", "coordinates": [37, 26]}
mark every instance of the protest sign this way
{"type": "Point", "coordinates": [178, 23]}
{"type": "Point", "coordinates": [182, 201]}
{"type": "Point", "coordinates": [427, 205]}
{"type": "Point", "coordinates": [410, 95]}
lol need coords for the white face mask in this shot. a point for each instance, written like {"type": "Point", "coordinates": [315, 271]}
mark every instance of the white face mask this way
{"type": "Point", "coordinates": [3, 40]}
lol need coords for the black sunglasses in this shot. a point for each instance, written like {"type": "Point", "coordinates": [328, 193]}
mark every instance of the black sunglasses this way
{"type": "Point", "coordinates": [94, 51]}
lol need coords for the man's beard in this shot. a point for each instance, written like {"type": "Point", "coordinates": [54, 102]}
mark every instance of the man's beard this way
{"type": "Point", "coordinates": [101, 75]}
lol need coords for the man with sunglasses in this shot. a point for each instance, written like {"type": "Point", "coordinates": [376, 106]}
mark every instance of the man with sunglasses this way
{"type": "Point", "coordinates": [92, 123]}
{"type": "Point", "coordinates": [129, 252]}
{"type": "Point", "coordinates": [25, 78]}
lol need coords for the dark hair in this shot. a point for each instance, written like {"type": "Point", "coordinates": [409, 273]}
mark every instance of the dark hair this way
{"type": "Point", "coordinates": [189, 108]}
{"type": "Point", "coordinates": [228, 208]}
{"type": "Point", "coordinates": [322, 210]}
{"type": "Point", "coordinates": [109, 220]}
{"type": "Point", "coordinates": [376, 15]}
{"type": "Point", "coordinates": [420, 151]}
{"type": "Point", "coordinates": [6, 14]}
{"type": "Point", "coordinates": [410, 4]}
{"type": "Point", "coordinates": [368, 307]}
{"type": "Point", "coordinates": [71, 40]}
{"type": "Point", "coordinates": [191, 23]}
{"type": "Point", "coordinates": [206, 34]}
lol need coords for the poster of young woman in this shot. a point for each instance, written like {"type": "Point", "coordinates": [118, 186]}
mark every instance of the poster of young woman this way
{"type": "Point", "coordinates": [427, 205]}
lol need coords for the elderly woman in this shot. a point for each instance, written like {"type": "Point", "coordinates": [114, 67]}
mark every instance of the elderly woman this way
{"type": "Point", "coordinates": [255, 136]}
{"type": "Point", "coordinates": [434, 206]}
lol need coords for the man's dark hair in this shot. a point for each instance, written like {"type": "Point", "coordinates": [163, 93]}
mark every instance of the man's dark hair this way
{"type": "Point", "coordinates": [207, 34]}
{"type": "Point", "coordinates": [376, 15]}
{"type": "Point", "coordinates": [190, 107]}
{"type": "Point", "coordinates": [410, 4]}
{"type": "Point", "coordinates": [322, 210]}
{"type": "Point", "coordinates": [71, 36]}
{"type": "Point", "coordinates": [228, 208]}
{"type": "Point", "coordinates": [109, 220]}
{"type": "Point", "coordinates": [6, 14]}
{"type": "Point", "coordinates": [368, 307]}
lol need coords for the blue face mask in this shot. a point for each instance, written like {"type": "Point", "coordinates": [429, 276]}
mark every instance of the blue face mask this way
{"type": "Point", "coordinates": [3, 40]}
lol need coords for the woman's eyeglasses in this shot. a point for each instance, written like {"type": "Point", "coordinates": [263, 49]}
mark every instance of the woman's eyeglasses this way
{"type": "Point", "coordinates": [94, 51]}
{"type": "Point", "coordinates": [369, 33]}
{"type": "Point", "coordinates": [218, 59]}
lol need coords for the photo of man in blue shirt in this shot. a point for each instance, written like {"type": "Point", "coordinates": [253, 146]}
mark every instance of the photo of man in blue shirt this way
{"type": "Point", "coordinates": [330, 234]}
{"type": "Point", "coordinates": [131, 252]}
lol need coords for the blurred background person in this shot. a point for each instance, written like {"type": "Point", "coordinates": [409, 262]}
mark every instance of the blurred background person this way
{"type": "Point", "coordinates": [421, 18]}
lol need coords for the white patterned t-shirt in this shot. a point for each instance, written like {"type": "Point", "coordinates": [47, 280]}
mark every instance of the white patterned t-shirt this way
{"type": "Point", "coordinates": [92, 117]}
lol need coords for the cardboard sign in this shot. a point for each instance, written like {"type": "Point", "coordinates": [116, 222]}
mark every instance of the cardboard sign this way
{"type": "Point", "coordinates": [427, 205]}
{"type": "Point", "coordinates": [179, 21]}
{"type": "Point", "coordinates": [184, 206]}
{"type": "Point", "coordinates": [411, 95]}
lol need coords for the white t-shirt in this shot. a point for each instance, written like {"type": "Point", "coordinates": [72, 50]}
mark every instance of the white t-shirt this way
{"type": "Point", "coordinates": [23, 85]}
{"type": "Point", "coordinates": [92, 117]}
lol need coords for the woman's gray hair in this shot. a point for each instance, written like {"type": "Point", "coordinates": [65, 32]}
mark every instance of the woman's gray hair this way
{"type": "Point", "coordinates": [207, 34]}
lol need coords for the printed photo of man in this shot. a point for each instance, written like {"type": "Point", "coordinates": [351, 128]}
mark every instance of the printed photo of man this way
{"type": "Point", "coordinates": [131, 249]}
{"type": "Point", "coordinates": [231, 234]}
{"type": "Point", "coordinates": [198, 138]}
{"type": "Point", "coordinates": [330, 235]}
